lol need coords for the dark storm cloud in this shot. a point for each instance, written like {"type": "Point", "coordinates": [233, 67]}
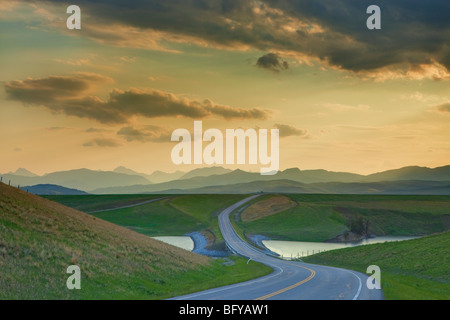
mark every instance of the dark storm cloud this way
{"type": "Point", "coordinates": [273, 62]}
{"type": "Point", "coordinates": [67, 95]}
{"type": "Point", "coordinates": [414, 32]}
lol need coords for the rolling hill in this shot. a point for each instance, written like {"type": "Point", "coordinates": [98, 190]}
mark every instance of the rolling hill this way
{"type": "Point", "coordinates": [40, 239]}
{"type": "Point", "coordinates": [289, 186]}
{"type": "Point", "coordinates": [51, 189]}
{"type": "Point", "coordinates": [412, 173]}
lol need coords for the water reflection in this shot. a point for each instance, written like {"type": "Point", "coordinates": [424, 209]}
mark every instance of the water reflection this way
{"type": "Point", "coordinates": [185, 243]}
{"type": "Point", "coordinates": [289, 249]}
{"type": "Point", "coordinates": [297, 249]}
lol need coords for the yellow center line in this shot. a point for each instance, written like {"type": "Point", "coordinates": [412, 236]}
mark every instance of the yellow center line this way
{"type": "Point", "coordinates": [313, 273]}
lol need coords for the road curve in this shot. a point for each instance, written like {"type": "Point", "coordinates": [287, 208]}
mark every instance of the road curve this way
{"type": "Point", "coordinates": [290, 280]}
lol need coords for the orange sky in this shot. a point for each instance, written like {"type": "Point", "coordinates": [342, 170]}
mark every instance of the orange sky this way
{"type": "Point", "coordinates": [112, 93]}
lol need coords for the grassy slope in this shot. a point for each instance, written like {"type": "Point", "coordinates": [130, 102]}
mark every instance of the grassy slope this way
{"type": "Point", "coordinates": [267, 206]}
{"type": "Point", "coordinates": [174, 216]}
{"type": "Point", "coordinates": [153, 219]}
{"type": "Point", "coordinates": [89, 203]}
{"type": "Point", "coordinates": [39, 239]}
{"type": "Point", "coordinates": [416, 269]}
{"type": "Point", "coordinates": [322, 217]}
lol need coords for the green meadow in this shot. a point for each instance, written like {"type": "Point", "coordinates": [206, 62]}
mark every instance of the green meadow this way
{"type": "Point", "coordinates": [92, 203]}
{"type": "Point", "coordinates": [319, 218]}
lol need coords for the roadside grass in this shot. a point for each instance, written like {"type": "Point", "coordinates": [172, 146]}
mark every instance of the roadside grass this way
{"type": "Point", "coordinates": [221, 272]}
{"type": "Point", "coordinates": [410, 270]}
{"type": "Point", "coordinates": [39, 239]}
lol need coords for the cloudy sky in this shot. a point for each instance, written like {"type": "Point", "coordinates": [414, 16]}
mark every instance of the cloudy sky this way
{"type": "Point", "coordinates": [344, 98]}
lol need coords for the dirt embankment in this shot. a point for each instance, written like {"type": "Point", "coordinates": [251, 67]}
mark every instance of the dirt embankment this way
{"type": "Point", "coordinates": [205, 244]}
{"type": "Point", "coordinates": [267, 207]}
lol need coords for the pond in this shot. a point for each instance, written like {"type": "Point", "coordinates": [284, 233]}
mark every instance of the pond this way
{"type": "Point", "coordinates": [289, 249]}
{"type": "Point", "coordinates": [185, 243]}
{"type": "Point", "coordinates": [298, 249]}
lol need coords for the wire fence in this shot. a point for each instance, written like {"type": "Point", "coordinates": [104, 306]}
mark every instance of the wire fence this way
{"type": "Point", "coordinates": [8, 182]}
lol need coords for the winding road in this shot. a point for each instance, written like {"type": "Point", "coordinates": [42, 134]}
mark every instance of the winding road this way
{"type": "Point", "coordinates": [290, 280]}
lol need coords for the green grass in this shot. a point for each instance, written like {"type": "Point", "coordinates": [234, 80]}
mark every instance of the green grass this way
{"type": "Point", "coordinates": [154, 219]}
{"type": "Point", "coordinates": [410, 270]}
{"type": "Point", "coordinates": [306, 222]}
{"type": "Point", "coordinates": [90, 203]}
{"type": "Point", "coordinates": [174, 216]}
{"type": "Point", "coordinates": [39, 239]}
{"type": "Point", "coordinates": [220, 273]}
{"type": "Point", "coordinates": [323, 217]}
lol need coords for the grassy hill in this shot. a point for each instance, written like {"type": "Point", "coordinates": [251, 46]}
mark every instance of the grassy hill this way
{"type": "Point", "coordinates": [171, 216]}
{"type": "Point", "coordinates": [51, 189]}
{"type": "Point", "coordinates": [94, 203]}
{"type": "Point", "coordinates": [415, 269]}
{"type": "Point", "coordinates": [39, 239]}
{"type": "Point", "coordinates": [323, 217]}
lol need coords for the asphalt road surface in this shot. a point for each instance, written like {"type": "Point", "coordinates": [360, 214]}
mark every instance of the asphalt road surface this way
{"type": "Point", "coordinates": [290, 280]}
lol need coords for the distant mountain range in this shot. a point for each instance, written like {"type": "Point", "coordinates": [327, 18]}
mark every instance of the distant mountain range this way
{"type": "Point", "coordinates": [23, 172]}
{"type": "Point", "coordinates": [81, 179]}
{"type": "Point", "coordinates": [413, 180]}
